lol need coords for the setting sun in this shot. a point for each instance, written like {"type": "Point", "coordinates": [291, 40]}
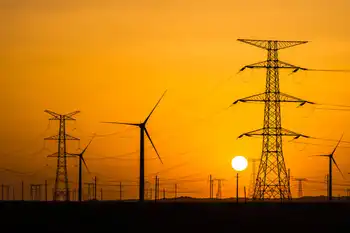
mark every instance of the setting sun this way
{"type": "Point", "coordinates": [239, 163]}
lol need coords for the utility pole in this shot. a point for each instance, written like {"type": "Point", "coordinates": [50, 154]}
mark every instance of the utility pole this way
{"type": "Point", "coordinates": [272, 171]}
{"type": "Point", "coordinates": [22, 191]}
{"type": "Point", "coordinates": [327, 183]}
{"type": "Point", "coordinates": [164, 193]}
{"type": "Point", "coordinates": [101, 194]}
{"type": "Point", "coordinates": [237, 188]}
{"type": "Point", "coordinates": [120, 191]}
{"type": "Point", "coordinates": [95, 188]}
{"type": "Point", "coordinates": [156, 189]}
{"type": "Point", "coordinates": [74, 194]}
{"type": "Point", "coordinates": [288, 177]}
{"type": "Point", "coordinates": [245, 196]}
{"type": "Point", "coordinates": [175, 191]}
{"type": "Point", "coordinates": [211, 187]}
{"type": "Point", "coordinates": [3, 187]}
{"type": "Point", "coordinates": [61, 183]}
{"type": "Point", "coordinates": [45, 190]}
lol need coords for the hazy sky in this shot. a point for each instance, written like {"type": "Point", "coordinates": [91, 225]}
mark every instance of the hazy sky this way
{"type": "Point", "coordinates": [112, 60]}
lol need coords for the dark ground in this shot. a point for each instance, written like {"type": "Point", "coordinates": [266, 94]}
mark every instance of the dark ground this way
{"type": "Point", "coordinates": [174, 217]}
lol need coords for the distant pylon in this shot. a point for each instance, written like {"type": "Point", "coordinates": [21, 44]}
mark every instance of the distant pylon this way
{"type": "Point", "coordinates": [35, 192]}
{"type": "Point", "coordinates": [253, 177]}
{"type": "Point", "coordinates": [300, 186]}
{"type": "Point", "coordinates": [219, 193]}
{"type": "Point", "coordinates": [272, 178]}
{"type": "Point", "coordinates": [91, 190]}
{"type": "Point", "coordinates": [3, 187]}
{"type": "Point", "coordinates": [61, 190]}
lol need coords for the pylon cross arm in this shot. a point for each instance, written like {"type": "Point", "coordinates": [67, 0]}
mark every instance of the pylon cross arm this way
{"type": "Point", "coordinates": [67, 155]}
{"type": "Point", "coordinates": [273, 132]}
{"type": "Point", "coordinates": [253, 98]}
{"type": "Point", "coordinates": [266, 44]}
{"type": "Point", "coordinates": [276, 64]}
{"type": "Point", "coordinates": [56, 137]}
{"type": "Point", "coordinates": [69, 137]}
{"type": "Point", "coordinates": [69, 115]}
{"type": "Point", "coordinates": [57, 116]}
{"type": "Point", "coordinates": [264, 97]}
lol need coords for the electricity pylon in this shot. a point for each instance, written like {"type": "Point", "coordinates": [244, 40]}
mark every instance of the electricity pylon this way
{"type": "Point", "coordinates": [35, 192]}
{"type": "Point", "coordinates": [331, 161]}
{"type": "Point", "coordinates": [219, 192]}
{"type": "Point", "coordinates": [253, 177]}
{"type": "Point", "coordinates": [61, 190]}
{"type": "Point", "coordinates": [300, 186]}
{"type": "Point", "coordinates": [143, 130]}
{"type": "Point", "coordinates": [272, 178]}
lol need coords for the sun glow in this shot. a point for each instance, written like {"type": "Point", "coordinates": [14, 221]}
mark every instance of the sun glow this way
{"type": "Point", "coordinates": [239, 163]}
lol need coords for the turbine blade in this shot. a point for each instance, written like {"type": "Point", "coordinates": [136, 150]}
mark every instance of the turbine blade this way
{"type": "Point", "coordinates": [338, 168]}
{"type": "Point", "coordinates": [337, 144]}
{"type": "Point", "coordinates": [85, 165]}
{"type": "Point", "coordinates": [321, 155]}
{"type": "Point", "coordinates": [81, 154]}
{"type": "Point", "coordinates": [119, 123]}
{"type": "Point", "coordinates": [149, 137]}
{"type": "Point", "coordinates": [154, 107]}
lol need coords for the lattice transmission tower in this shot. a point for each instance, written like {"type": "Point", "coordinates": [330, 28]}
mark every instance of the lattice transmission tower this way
{"type": "Point", "coordinates": [35, 192]}
{"type": "Point", "coordinates": [272, 179]}
{"type": "Point", "coordinates": [300, 186]}
{"type": "Point", "coordinates": [253, 178]}
{"type": "Point", "coordinates": [219, 192]}
{"type": "Point", "coordinates": [61, 190]}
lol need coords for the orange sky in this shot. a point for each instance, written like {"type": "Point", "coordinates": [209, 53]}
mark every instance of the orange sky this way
{"type": "Point", "coordinates": [112, 60]}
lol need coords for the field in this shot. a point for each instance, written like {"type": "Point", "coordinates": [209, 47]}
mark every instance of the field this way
{"type": "Point", "coordinates": [103, 216]}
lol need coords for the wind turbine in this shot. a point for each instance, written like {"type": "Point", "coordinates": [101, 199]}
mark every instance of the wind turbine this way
{"type": "Point", "coordinates": [331, 161]}
{"type": "Point", "coordinates": [143, 130]}
{"type": "Point", "coordinates": [82, 160]}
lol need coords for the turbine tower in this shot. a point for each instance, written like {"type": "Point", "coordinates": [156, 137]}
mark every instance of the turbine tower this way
{"type": "Point", "coordinates": [331, 161]}
{"type": "Point", "coordinates": [61, 190]}
{"type": "Point", "coordinates": [81, 161]}
{"type": "Point", "coordinates": [272, 178]}
{"type": "Point", "coordinates": [143, 130]}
